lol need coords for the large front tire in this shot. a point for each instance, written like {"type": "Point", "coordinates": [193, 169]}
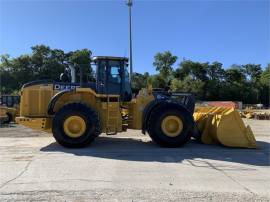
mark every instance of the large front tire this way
{"type": "Point", "coordinates": [169, 125]}
{"type": "Point", "coordinates": [75, 125]}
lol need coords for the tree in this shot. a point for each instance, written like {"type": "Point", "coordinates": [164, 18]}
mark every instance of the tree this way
{"type": "Point", "coordinates": [208, 81]}
{"type": "Point", "coordinates": [235, 74]}
{"type": "Point", "coordinates": [265, 76]}
{"type": "Point", "coordinates": [158, 81]}
{"type": "Point", "coordinates": [21, 70]}
{"type": "Point", "coordinates": [42, 63]}
{"type": "Point", "coordinates": [215, 75]}
{"type": "Point", "coordinates": [215, 72]}
{"type": "Point", "coordinates": [139, 81]}
{"type": "Point", "coordinates": [265, 86]}
{"type": "Point", "coordinates": [82, 59]}
{"type": "Point", "coordinates": [252, 72]}
{"type": "Point", "coordinates": [189, 84]}
{"type": "Point", "coordinates": [163, 63]}
{"type": "Point", "coordinates": [47, 63]}
{"type": "Point", "coordinates": [5, 74]}
{"type": "Point", "coordinates": [252, 76]}
{"type": "Point", "coordinates": [195, 71]}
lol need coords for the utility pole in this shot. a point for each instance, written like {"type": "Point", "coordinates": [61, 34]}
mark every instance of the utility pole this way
{"type": "Point", "coordinates": [129, 4]}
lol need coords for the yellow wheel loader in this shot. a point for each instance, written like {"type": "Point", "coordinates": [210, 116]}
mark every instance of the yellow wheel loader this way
{"type": "Point", "coordinates": [77, 113]}
{"type": "Point", "coordinates": [9, 108]}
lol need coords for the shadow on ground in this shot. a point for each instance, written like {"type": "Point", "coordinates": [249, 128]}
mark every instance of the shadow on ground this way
{"type": "Point", "coordinates": [131, 149]}
{"type": "Point", "coordinates": [7, 125]}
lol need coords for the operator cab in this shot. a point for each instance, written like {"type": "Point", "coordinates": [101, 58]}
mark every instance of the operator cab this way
{"type": "Point", "coordinates": [112, 76]}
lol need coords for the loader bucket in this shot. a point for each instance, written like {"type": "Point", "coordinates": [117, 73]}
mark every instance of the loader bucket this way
{"type": "Point", "coordinates": [219, 125]}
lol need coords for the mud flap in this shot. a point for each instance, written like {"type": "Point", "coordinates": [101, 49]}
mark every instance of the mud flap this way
{"type": "Point", "coordinates": [218, 125]}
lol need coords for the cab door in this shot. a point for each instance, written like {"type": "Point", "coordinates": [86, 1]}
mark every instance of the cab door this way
{"type": "Point", "coordinates": [109, 77]}
{"type": "Point", "coordinates": [114, 77]}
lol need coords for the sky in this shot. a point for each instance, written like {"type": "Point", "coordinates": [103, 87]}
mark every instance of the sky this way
{"type": "Point", "coordinates": [231, 32]}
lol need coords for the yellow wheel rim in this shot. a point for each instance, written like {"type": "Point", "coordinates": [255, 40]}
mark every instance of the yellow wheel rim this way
{"type": "Point", "coordinates": [74, 126]}
{"type": "Point", "coordinates": [172, 126]}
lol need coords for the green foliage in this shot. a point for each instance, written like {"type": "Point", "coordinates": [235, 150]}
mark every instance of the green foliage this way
{"type": "Point", "coordinates": [253, 72]}
{"type": "Point", "coordinates": [188, 84]}
{"type": "Point", "coordinates": [42, 63]}
{"type": "Point", "coordinates": [265, 76]}
{"type": "Point", "coordinates": [265, 85]}
{"type": "Point", "coordinates": [81, 60]}
{"type": "Point", "coordinates": [139, 81]}
{"type": "Point", "coordinates": [163, 63]}
{"type": "Point", "coordinates": [208, 81]}
{"type": "Point", "coordinates": [157, 81]}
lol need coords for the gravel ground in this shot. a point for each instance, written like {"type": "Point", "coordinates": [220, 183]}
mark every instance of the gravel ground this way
{"type": "Point", "coordinates": [110, 195]}
{"type": "Point", "coordinates": [129, 167]}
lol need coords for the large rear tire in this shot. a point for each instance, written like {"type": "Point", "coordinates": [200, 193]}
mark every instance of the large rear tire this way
{"type": "Point", "coordinates": [75, 125]}
{"type": "Point", "coordinates": [169, 125]}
